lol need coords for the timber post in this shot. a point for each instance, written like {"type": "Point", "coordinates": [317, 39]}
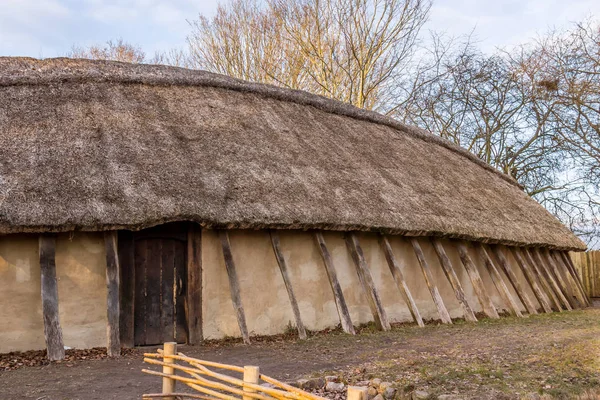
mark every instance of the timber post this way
{"type": "Point", "coordinates": [251, 375]}
{"type": "Point", "coordinates": [357, 393]}
{"type": "Point", "coordinates": [168, 384]}
{"type": "Point", "coordinates": [52, 330]}
{"type": "Point", "coordinates": [113, 345]}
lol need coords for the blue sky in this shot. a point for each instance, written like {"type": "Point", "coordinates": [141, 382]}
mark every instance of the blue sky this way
{"type": "Point", "coordinates": [49, 28]}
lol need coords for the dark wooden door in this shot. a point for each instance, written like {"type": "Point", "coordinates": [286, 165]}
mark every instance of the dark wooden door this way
{"type": "Point", "coordinates": [159, 309]}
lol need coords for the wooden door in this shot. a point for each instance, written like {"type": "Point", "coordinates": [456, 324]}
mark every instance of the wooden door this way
{"type": "Point", "coordinates": [160, 262]}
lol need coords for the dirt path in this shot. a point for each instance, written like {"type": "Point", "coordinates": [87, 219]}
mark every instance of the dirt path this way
{"type": "Point", "coordinates": [556, 353]}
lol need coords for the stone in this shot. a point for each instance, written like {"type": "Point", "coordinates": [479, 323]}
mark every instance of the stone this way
{"type": "Point", "coordinates": [378, 397]}
{"type": "Point", "coordinates": [420, 395]}
{"type": "Point", "coordinates": [375, 382]}
{"type": "Point", "coordinates": [362, 383]}
{"type": "Point", "coordinates": [372, 392]}
{"type": "Point", "coordinates": [267, 385]}
{"type": "Point", "coordinates": [311, 384]}
{"type": "Point", "coordinates": [389, 393]}
{"type": "Point", "coordinates": [383, 386]}
{"type": "Point", "coordinates": [335, 387]}
{"type": "Point", "coordinates": [332, 378]}
{"type": "Point", "coordinates": [450, 397]}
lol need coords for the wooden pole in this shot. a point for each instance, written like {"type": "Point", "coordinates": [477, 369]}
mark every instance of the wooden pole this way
{"type": "Point", "coordinates": [234, 285]}
{"type": "Point", "coordinates": [52, 331]}
{"type": "Point", "coordinates": [126, 288]}
{"type": "Point", "coordinates": [113, 345]}
{"type": "Point", "coordinates": [547, 271]}
{"type": "Point", "coordinates": [507, 268]}
{"type": "Point", "coordinates": [562, 260]}
{"type": "Point", "coordinates": [399, 279]}
{"type": "Point", "coordinates": [507, 297]}
{"type": "Point", "coordinates": [435, 293]}
{"type": "Point", "coordinates": [539, 295]}
{"type": "Point", "coordinates": [338, 295]}
{"type": "Point", "coordinates": [478, 286]}
{"type": "Point", "coordinates": [193, 301]}
{"type": "Point", "coordinates": [251, 375]}
{"type": "Point", "coordinates": [453, 279]}
{"type": "Point", "coordinates": [366, 281]}
{"type": "Point", "coordinates": [357, 393]}
{"type": "Point", "coordinates": [561, 278]}
{"type": "Point", "coordinates": [275, 242]}
{"type": "Point", "coordinates": [168, 386]}
{"type": "Point", "coordinates": [542, 279]}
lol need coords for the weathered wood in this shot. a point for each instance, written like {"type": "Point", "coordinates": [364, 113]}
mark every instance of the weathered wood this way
{"type": "Point", "coordinates": [179, 286]}
{"type": "Point", "coordinates": [126, 288]}
{"type": "Point", "coordinates": [547, 271]}
{"type": "Point", "coordinates": [530, 277]}
{"type": "Point", "coordinates": [357, 393]}
{"type": "Point", "coordinates": [168, 384]}
{"type": "Point", "coordinates": [435, 293]}
{"type": "Point", "coordinates": [507, 268]}
{"type": "Point", "coordinates": [453, 279]}
{"type": "Point", "coordinates": [251, 375]}
{"type": "Point", "coordinates": [399, 279]}
{"type": "Point", "coordinates": [366, 281]}
{"type": "Point", "coordinates": [499, 282]}
{"type": "Point", "coordinates": [167, 291]}
{"type": "Point", "coordinates": [338, 296]}
{"type": "Point", "coordinates": [234, 285]}
{"type": "Point", "coordinates": [154, 332]}
{"type": "Point", "coordinates": [140, 303]}
{"type": "Point", "coordinates": [573, 271]}
{"type": "Point", "coordinates": [561, 278]}
{"type": "Point", "coordinates": [478, 286]}
{"type": "Point", "coordinates": [113, 345]}
{"type": "Point", "coordinates": [193, 301]}
{"type": "Point", "coordinates": [276, 243]}
{"type": "Point", "coordinates": [561, 260]}
{"type": "Point", "coordinates": [52, 329]}
{"type": "Point", "coordinates": [548, 291]}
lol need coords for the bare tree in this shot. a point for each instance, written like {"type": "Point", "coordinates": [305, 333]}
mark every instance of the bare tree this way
{"type": "Point", "coordinates": [350, 50]}
{"type": "Point", "coordinates": [117, 50]}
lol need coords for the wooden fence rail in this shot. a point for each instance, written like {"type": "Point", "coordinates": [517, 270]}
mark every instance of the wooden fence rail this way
{"type": "Point", "coordinates": [209, 384]}
{"type": "Point", "coordinates": [588, 267]}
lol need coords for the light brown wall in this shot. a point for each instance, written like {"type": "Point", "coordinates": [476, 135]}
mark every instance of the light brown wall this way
{"type": "Point", "coordinates": [80, 270]}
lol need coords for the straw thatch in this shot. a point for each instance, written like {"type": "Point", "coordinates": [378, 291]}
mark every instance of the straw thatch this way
{"type": "Point", "coordinates": [87, 145]}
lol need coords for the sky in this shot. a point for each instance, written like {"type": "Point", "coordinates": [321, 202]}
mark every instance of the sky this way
{"type": "Point", "coordinates": [49, 28]}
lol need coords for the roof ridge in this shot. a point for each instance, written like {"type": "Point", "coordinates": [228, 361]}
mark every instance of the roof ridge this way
{"type": "Point", "coordinates": [24, 72]}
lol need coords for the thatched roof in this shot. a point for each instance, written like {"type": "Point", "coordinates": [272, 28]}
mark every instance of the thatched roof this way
{"type": "Point", "coordinates": [90, 145]}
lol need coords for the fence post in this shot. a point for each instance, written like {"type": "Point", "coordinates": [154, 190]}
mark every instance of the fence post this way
{"type": "Point", "coordinates": [357, 393]}
{"type": "Point", "coordinates": [251, 375]}
{"type": "Point", "coordinates": [170, 349]}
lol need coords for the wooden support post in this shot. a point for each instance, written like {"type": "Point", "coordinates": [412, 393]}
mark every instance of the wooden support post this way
{"type": "Point", "coordinates": [168, 386]}
{"type": "Point", "coordinates": [561, 278]}
{"type": "Point", "coordinates": [275, 242]}
{"type": "Point", "coordinates": [542, 279]}
{"type": "Point", "coordinates": [366, 281]}
{"type": "Point", "coordinates": [338, 296]}
{"type": "Point", "coordinates": [52, 330]}
{"type": "Point", "coordinates": [539, 295]}
{"type": "Point", "coordinates": [435, 293]}
{"type": "Point", "coordinates": [126, 288]}
{"type": "Point", "coordinates": [562, 260]}
{"type": "Point", "coordinates": [507, 297]}
{"type": "Point", "coordinates": [453, 279]}
{"type": "Point", "coordinates": [482, 295]}
{"type": "Point", "coordinates": [357, 393]}
{"type": "Point", "coordinates": [113, 345]}
{"type": "Point", "coordinates": [546, 270]}
{"type": "Point", "coordinates": [251, 375]}
{"type": "Point", "coordinates": [399, 279]}
{"type": "Point", "coordinates": [193, 301]}
{"type": "Point", "coordinates": [507, 268]}
{"type": "Point", "coordinates": [234, 285]}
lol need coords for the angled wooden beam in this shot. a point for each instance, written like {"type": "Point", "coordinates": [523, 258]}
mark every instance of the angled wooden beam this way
{"type": "Point", "coordinates": [507, 268]}
{"type": "Point", "coordinates": [571, 268]}
{"type": "Point", "coordinates": [366, 281]}
{"type": "Point", "coordinates": [126, 288]}
{"type": "Point", "coordinates": [193, 300]}
{"type": "Point", "coordinates": [547, 271]}
{"type": "Point", "coordinates": [52, 330]}
{"type": "Point", "coordinates": [113, 345]}
{"type": "Point", "coordinates": [482, 295]}
{"type": "Point", "coordinates": [507, 297]}
{"type": "Point", "coordinates": [399, 279]}
{"type": "Point", "coordinates": [453, 279]}
{"type": "Point", "coordinates": [548, 291]}
{"type": "Point", "coordinates": [561, 278]}
{"type": "Point", "coordinates": [338, 295]}
{"type": "Point", "coordinates": [435, 293]}
{"type": "Point", "coordinates": [562, 261]}
{"type": "Point", "coordinates": [276, 243]}
{"type": "Point", "coordinates": [234, 285]}
{"type": "Point", "coordinates": [530, 277]}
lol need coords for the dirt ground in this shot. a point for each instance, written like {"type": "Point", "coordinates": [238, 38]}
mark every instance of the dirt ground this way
{"type": "Point", "coordinates": [553, 354]}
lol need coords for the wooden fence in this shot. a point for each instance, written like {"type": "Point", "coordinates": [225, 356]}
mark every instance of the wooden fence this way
{"type": "Point", "coordinates": [208, 384]}
{"type": "Point", "coordinates": [588, 267]}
